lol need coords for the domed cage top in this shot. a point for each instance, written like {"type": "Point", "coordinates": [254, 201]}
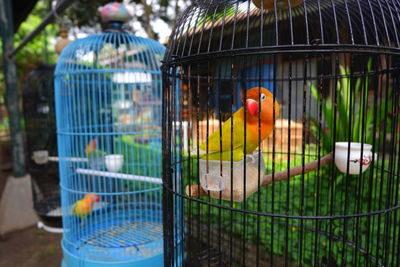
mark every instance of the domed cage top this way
{"type": "Point", "coordinates": [41, 137]}
{"type": "Point", "coordinates": [108, 100]}
{"type": "Point", "coordinates": [282, 133]}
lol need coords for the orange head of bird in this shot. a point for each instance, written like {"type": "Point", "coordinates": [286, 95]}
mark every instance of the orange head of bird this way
{"type": "Point", "coordinates": [92, 198]}
{"type": "Point", "coordinates": [261, 102]}
{"type": "Point", "coordinates": [91, 146]}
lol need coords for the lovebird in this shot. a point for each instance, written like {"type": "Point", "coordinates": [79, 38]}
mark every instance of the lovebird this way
{"type": "Point", "coordinates": [84, 207]}
{"type": "Point", "coordinates": [259, 102]}
{"type": "Point", "coordinates": [91, 147]}
{"type": "Point", "coordinates": [91, 150]}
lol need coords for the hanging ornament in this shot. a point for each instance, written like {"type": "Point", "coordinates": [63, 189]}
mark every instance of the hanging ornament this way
{"type": "Point", "coordinates": [62, 41]}
{"type": "Point", "coordinates": [114, 12]}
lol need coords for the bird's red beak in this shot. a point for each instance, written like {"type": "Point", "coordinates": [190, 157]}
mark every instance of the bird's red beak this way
{"type": "Point", "coordinates": [97, 198]}
{"type": "Point", "coordinates": [252, 106]}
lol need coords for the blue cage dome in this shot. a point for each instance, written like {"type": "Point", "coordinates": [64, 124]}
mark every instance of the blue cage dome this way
{"type": "Point", "coordinates": [108, 109]}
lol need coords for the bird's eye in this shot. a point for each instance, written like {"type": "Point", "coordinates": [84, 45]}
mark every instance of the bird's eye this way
{"type": "Point", "coordinates": [263, 97]}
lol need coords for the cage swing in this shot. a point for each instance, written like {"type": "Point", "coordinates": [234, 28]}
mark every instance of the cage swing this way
{"type": "Point", "coordinates": [287, 145]}
{"type": "Point", "coordinates": [108, 103]}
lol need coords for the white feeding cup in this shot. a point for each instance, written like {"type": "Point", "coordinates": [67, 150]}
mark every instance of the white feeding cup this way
{"type": "Point", "coordinates": [114, 162]}
{"type": "Point", "coordinates": [216, 177]}
{"type": "Point", "coordinates": [40, 156]}
{"type": "Point", "coordinates": [354, 160]}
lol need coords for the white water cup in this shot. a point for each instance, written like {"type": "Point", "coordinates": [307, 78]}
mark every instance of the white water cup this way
{"type": "Point", "coordinates": [40, 156]}
{"type": "Point", "coordinates": [354, 161]}
{"type": "Point", "coordinates": [114, 162]}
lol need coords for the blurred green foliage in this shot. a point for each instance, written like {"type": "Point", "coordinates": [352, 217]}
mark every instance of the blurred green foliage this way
{"type": "Point", "coordinates": [351, 118]}
{"type": "Point", "coordinates": [141, 158]}
{"type": "Point", "coordinates": [309, 195]}
{"type": "Point", "coordinates": [38, 51]}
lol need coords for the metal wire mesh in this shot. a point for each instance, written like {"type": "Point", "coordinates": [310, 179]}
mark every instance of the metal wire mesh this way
{"type": "Point", "coordinates": [108, 99]}
{"type": "Point", "coordinates": [312, 176]}
{"type": "Point", "coordinates": [126, 235]}
{"type": "Point", "coordinates": [40, 125]}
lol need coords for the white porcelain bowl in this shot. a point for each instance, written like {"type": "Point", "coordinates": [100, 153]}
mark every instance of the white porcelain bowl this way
{"type": "Point", "coordinates": [353, 162]}
{"type": "Point", "coordinates": [114, 162]}
{"type": "Point", "coordinates": [40, 156]}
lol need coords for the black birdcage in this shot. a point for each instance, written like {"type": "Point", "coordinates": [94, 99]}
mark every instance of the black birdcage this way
{"type": "Point", "coordinates": [41, 144]}
{"type": "Point", "coordinates": [306, 167]}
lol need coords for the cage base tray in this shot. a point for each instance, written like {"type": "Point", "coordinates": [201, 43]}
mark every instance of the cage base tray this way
{"type": "Point", "coordinates": [128, 242]}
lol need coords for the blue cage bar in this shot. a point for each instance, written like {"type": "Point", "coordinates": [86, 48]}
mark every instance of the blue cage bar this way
{"type": "Point", "coordinates": [108, 105]}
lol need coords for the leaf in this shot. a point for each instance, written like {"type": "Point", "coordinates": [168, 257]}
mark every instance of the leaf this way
{"type": "Point", "coordinates": [357, 127]}
{"type": "Point", "coordinates": [342, 120]}
{"type": "Point", "coordinates": [345, 86]}
{"type": "Point", "coordinates": [328, 112]}
{"type": "Point", "coordinates": [314, 92]}
{"type": "Point", "coordinates": [369, 128]}
{"type": "Point", "coordinates": [317, 130]}
{"type": "Point", "coordinates": [357, 86]}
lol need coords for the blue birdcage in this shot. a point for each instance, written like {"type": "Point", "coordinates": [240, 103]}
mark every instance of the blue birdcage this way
{"type": "Point", "coordinates": [108, 105]}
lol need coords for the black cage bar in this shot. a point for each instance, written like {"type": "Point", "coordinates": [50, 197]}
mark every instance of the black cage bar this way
{"type": "Point", "coordinates": [40, 125]}
{"type": "Point", "coordinates": [282, 134]}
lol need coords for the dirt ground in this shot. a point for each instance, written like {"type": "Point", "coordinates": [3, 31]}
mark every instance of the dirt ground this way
{"type": "Point", "coordinates": [30, 247]}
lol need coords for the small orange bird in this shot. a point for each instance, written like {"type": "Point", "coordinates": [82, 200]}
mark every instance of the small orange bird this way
{"type": "Point", "coordinates": [261, 110]}
{"type": "Point", "coordinates": [84, 207]}
{"type": "Point", "coordinates": [91, 147]}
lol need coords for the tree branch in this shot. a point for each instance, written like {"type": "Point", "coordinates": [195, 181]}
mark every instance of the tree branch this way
{"type": "Point", "coordinates": [148, 13]}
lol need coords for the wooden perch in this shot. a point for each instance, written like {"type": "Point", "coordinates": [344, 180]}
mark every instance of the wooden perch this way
{"type": "Point", "coordinates": [197, 191]}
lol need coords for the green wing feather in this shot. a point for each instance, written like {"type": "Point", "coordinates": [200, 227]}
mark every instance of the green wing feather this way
{"type": "Point", "coordinates": [219, 145]}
